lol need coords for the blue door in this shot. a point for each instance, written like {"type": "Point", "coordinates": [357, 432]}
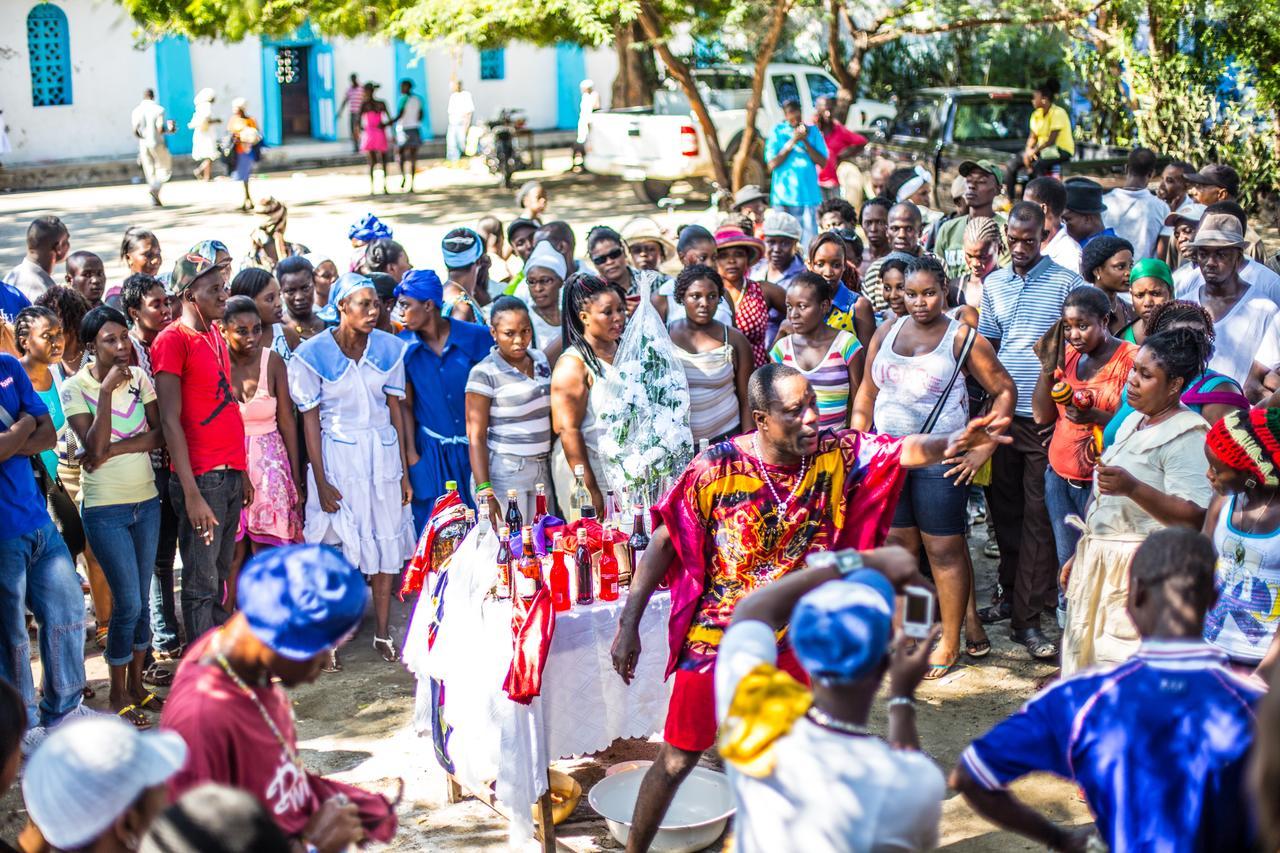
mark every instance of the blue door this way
{"type": "Point", "coordinates": [175, 90]}
{"type": "Point", "coordinates": [409, 66]}
{"type": "Point", "coordinates": [571, 70]}
{"type": "Point", "coordinates": [271, 130]}
{"type": "Point", "coordinates": [324, 121]}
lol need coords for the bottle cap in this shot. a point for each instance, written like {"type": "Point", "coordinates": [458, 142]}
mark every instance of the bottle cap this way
{"type": "Point", "coordinates": [540, 487]}
{"type": "Point", "coordinates": [451, 485]}
{"type": "Point", "coordinates": [505, 531]}
{"type": "Point", "coordinates": [588, 511]}
{"type": "Point", "coordinates": [578, 470]}
{"type": "Point", "coordinates": [512, 493]}
{"type": "Point", "coordinates": [582, 534]}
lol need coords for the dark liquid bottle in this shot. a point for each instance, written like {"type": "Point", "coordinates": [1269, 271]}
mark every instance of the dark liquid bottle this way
{"type": "Point", "coordinates": [504, 563]}
{"type": "Point", "coordinates": [539, 504]}
{"type": "Point", "coordinates": [513, 517]}
{"type": "Point", "coordinates": [639, 540]}
{"type": "Point", "coordinates": [582, 569]}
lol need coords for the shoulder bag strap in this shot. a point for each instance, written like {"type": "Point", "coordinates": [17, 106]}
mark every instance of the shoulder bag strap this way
{"type": "Point", "coordinates": [965, 347]}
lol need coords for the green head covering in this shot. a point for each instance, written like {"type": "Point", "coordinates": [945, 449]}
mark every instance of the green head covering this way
{"type": "Point", "coordinates": [1152, 268]}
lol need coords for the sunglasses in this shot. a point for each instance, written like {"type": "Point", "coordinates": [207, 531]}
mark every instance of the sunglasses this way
{"type": "Point", "coordinates": [606, 257]}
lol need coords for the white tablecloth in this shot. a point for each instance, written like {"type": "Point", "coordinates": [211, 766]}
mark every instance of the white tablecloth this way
{"type": "Point", "coordinates": [584, 705]}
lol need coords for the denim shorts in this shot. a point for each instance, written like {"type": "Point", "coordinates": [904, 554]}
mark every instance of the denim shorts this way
{"type": "Point", "coordinates": [932, 503]}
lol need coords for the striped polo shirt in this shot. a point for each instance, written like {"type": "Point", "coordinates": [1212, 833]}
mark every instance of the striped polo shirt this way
{"type": "Point", "coordinates": [520, 406]}
{"type": "Point", "coordinates": [1017, 311]}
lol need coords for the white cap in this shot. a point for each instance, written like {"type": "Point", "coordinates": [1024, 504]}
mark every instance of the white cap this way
{"type": "Point", "coordinates": [89, 771]}
{"type": "Point", "coordinates": [1191, 211]}
{"type": "Point", "coordinates": [779, 223]}
{"type": "Point", "coordinates": [544, 255]}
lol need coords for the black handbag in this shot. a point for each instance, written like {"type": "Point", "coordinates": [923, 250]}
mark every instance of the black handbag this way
{"type": "Point", "coordinates": [62, 509]}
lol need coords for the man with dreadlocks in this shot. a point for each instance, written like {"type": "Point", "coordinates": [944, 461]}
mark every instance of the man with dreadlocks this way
{"type": "Point", "coordinates": [744, 513]}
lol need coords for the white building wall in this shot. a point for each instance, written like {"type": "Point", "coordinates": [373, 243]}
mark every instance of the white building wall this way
{"type": "Point", "coordinates": [232, 70]}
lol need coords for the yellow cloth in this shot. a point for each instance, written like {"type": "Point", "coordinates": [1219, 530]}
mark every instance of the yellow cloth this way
{"type": "Point", "coordinates": [765, 706]}
{"type": "Point", "coordinates": [1044, 123]}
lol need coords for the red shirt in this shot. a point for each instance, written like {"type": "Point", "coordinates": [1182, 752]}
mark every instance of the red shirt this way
{"type": "Point", "coordinates": [838, 138]}
{"type": "Point", "coordinates": [229, 743]}
{"type": "Point", "coordinates": [210, 414]}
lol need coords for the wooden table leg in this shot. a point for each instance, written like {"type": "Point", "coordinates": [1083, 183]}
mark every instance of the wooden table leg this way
{"type": "Point", "coordinates": [453, 791]}
{"type": "Point", "coordinates": [548, 825]}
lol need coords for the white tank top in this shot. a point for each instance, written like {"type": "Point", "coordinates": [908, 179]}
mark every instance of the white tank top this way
{"type": "Point", "coordinates": [1243, 622]}
{"type": "Point", "coordinates": [911, 385]}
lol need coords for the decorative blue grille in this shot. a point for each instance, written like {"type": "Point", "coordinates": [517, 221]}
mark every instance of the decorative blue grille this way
{"type": "Point", "coordinates": [49, 45]}
{"type": "Point", "coordinates": [493, 64]}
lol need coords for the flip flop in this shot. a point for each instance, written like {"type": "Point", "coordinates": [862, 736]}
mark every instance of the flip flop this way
{"type": "Point", "coordinates": [153, 700]}
{"type": "Point", "coordinates": [130, 714]}
{"type": "Point", "coordinates": [977, 648]}
{"type": "Point", "coordinates": [939, 670]}
{"type": "Point", "coordinates": [331, 663]}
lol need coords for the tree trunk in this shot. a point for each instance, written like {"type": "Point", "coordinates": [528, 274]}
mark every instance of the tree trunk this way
{"type": "Point", "coordinates": [764, 53]}
{"type": "Point", "coordinates": [637, 75]}
{"type": "Point", "coordinates": [654, 31]}
{"type": "Point", "coordinates": [848, 82]}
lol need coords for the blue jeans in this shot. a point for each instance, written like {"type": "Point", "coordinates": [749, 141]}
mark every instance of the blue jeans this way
{"type": "Point", "coordinates": [164, 612]}
{"type": "Point", "coordinates": [808, 216]}
{"type": "Point", "coordinates": [36, 572]}
{"type": "Point", "coordinates": [123, 537]}
{"type": "Point", "coordinates": [455, 141]}
{"type": "Point", "coordinates": [1063, 497]}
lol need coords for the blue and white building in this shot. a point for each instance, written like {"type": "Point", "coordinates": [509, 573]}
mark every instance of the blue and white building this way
{"type": "Point", "coordinates": [73, 70]}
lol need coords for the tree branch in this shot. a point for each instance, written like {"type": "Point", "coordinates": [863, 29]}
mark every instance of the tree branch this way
{"type": "Point", "coordinates": [876, 39]}
{"type": "Point", "coordinates": [765, 51]}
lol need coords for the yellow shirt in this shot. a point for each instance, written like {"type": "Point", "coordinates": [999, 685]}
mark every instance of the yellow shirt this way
{"type": "Point", "coordinates": [1044, 123]}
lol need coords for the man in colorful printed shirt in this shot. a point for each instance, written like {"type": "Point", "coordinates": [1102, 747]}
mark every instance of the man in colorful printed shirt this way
{"type": "Point", "coordinates": [745, 513]}
{"type": "Point", "coordinates": [1158, 744]}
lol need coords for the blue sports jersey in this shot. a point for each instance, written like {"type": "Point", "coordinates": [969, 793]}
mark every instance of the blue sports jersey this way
{"type": "Point", "coordinates": [1158, 745]}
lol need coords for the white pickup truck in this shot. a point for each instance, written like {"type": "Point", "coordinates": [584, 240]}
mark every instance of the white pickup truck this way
{"type": "Point", "coordinates": [654, 147]}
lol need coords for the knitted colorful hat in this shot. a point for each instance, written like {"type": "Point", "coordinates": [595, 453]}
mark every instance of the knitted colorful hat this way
{"type": "Point", "coordinates": [1249, 441]}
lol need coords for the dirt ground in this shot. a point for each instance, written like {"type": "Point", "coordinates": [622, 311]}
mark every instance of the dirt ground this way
{"type": "Point", "coordinates": [356, 724]}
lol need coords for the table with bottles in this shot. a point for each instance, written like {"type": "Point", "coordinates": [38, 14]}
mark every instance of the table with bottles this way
{"type": "Point", "coordinates": [583, 705]}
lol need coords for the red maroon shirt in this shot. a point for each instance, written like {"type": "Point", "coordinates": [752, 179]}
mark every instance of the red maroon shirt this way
{"type": "Point", "coordinates": [210, 415]}
{"type": "Point", "coordinates": [838, 138]}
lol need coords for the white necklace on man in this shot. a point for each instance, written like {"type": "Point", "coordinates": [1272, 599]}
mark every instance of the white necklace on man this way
{"type": "Point", "coordinates": [826, 721]}
{"type": "Point", "coordinates": [768, 480]}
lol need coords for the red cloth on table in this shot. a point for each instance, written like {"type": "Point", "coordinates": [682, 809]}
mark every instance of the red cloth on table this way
{"type": "Point", "coordinates": [229, 743]}
{"type": "Point", "coordinates": [533, 630]}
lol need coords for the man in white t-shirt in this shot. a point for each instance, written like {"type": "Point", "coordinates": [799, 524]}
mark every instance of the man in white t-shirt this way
{"type": "Point", "coordinates": [1059, 246]}
{"type": "Point", "coordinates": [150, 127]}
{"type": "Point", "coordinates": [807, 774]}
{"type": "Point", "coordinates": [1133, 211]}
{"type": "Point", "coordinates": [1247, 341]}
{"type": "Point", "coordinates": [462, 109]}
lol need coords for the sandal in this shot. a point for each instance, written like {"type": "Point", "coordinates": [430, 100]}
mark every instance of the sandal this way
{"type": "Point", "coordinates": [386, 647]}
{"type": "Point", "coordinates": [332, 664]}
{"type": "Point", "coordinates": [170, 654]}
{"type": "Point", "coordinates": [1038, 645]}
{"type": "Point", "coordinates": [938, 670]}
{"type": "Point", "coordinates": [153, 700]}
{"type": "Point", "coordinates": [997, 612]}
{"type": "Point", "coordinates": [977, 648]}
{"type": "Point", "coordinates": [130, 714]}
{"type": "Point", "coordinates": [157, 676]}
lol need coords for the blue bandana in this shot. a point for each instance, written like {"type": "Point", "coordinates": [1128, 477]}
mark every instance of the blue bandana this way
{"type": "Point", "coordinates": [368, 229]}
{"type": "Point", "coordinates": [300, 600]}
{"type": "Point", "coordinates": [840, 631]}
{"type": "Point", "coordinates": [422, 285]}
{"type": "Point", "coordinates": [462, 249]}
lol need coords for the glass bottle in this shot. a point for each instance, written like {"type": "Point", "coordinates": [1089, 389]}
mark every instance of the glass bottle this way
{"type": "Point", "coordinates": [559, 578]}
{"type": "Point", "coordinates": [471, 519]}
{"type": "Point", "coordinates": [610, 506]}
{"type": "Point", "coordinates": [513, 517]}
{"type": "Point", "coordinates": [504, 563]}
{"type": "Point", "coordinates": [450, 486]}
{"type": "Point", "coordinates": [608, 572]}
{"type": "Point", "coordinates": [639, 540]}
{"type": "Point", "coordinates": [582, 568]}
{"type": "Point", "coordinates": [579, 497]}
{"type": "Point", "coordinates": [529, 572]}
{"type": "Point", "coordinates": [589, 511]}
{"type": "Point", "coordinates": [539, 503]}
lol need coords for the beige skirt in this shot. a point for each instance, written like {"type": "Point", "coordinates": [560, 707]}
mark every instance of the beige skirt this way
{"type": "Point", "coordinates": [1099, 631]}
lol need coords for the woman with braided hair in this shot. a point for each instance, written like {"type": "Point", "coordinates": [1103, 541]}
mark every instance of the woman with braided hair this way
{"type": "Point", "coordinates": [1243, 520]}
{"type": "Point", "coordinates": [1154, 476]}
{"type": "Point", "coordinates": [984, 246]}
{"type": "Point", "coordinates": [592, 320]}
{"type": "Point", "coordinates": [1211, 394]}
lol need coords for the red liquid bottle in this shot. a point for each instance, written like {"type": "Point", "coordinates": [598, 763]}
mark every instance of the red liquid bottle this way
{"type": "Point", "coordinates": [582, 568]}
{"type": "Point", "coordinates": [559, 579]}
{"type": "Point", "coordinates": [504, 563]}
{"type": "Point", "coordinates": [608, 573]}
{"type": "Point", "coordinates": [540, 504]}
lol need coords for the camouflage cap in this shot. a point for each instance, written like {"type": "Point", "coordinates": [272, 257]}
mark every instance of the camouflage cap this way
{"type": "Point", "coordinates": [198, 260]}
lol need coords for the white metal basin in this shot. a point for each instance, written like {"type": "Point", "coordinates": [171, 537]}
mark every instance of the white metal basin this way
{"type": "Point", "coordinates": [698, 814]}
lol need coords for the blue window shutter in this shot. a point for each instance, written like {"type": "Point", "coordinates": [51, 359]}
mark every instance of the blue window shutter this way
{"type": "Point", "coordinates": [49, 46]}
{"type": "Point", "coordinates": [409, 66]}
{"type": "Point", "coordinates": [324, 119]}
{"type": "Point", "coordinates": [493, 64]}
{"type": "Point", "coordinates": [175, 90]}
{"type": "Point", "coordinates": [271, 129]}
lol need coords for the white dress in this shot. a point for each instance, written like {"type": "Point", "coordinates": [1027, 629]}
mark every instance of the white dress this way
{"type": "Point", "coordinates": [561, 471]}
{"type": "Point", "coordinates": [361, 451]}
{"type": "Point", "coordinates": [204, 138]}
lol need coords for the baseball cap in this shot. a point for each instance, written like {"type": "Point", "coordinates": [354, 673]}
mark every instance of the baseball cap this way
{"type": "Point", "coordinates": [1191, 211]}
{"type": "Point", "coordinates": [89, 771]}
{"type": "Point", "coordinates": [779, 223]}
{"type": "Point", "coordinates": [840, 631]}
{"type": "Point", "coordinates": [300, 600]}
{"type": "Point", "coordinates": [518, 223]}
{"type": "Point", "coordinates": [199, 259]}
{"type": "Point", "coordinates": [1217, 175]}
{"type": "Point", "coordinates": [748, 194]}
{"type": "Point", "coordinates": [1219, 231]}
{"type": "Point", "coordinates": [970, 166]}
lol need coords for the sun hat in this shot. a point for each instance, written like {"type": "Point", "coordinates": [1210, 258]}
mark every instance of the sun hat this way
{"type": "Point", "coordinates": [729, 236]}
{"type": "Point", "coordinates": [968, 167]}
{"type": "Point", "coordinates": [779, 223]}
{"type": "Point", "coordinates": [422, 285]}
{"type": "Point", "coordinates": [300, 600]}
{"type": "Point", "coordinates": [1084, 196]}
{"type": "Point", "coordinates": [213, 818]}
{"type": "Point", "coordinates": [1098, 251]}
{"type": "Point", "coordinates": [1249, 441]}
{"type": "Point", "coordinates": [1152, 268]}
{"type": "Point", "coordinates": [462, 247]}
{"type": "Point", "coordinates": [748, 194]}
{"type": "Point", "coordinates": [1190, 211]}
{"type": "Point", "coordinates": [199, 259]}
{"type": "Point", "coordinates": [642, 229]}
{"type": "Point", "coordinates": [1219, 231]}
{"type": "Point", "coordinates": [89, 771]}
{"type": "Point", "coordinates": [1217, 175]}
{"type": "Point", "coordinates": [544, 255]}
{"type": "Point", "coordinates": [840, 630]}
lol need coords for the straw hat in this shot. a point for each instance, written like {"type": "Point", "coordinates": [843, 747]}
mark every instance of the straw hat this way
{"type": "Point", "coordinates": [642, 229]}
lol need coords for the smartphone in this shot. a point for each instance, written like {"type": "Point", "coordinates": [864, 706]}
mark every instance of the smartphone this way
{"type": "Point", "coordinates": [917, 617]}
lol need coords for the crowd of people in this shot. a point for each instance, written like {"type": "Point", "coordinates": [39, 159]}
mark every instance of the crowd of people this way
{"type": "Point", "coordinates": [223, 448]}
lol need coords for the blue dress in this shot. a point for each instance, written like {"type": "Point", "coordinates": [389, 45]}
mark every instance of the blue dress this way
{"type": "Point", "coordinates": [439, 385]}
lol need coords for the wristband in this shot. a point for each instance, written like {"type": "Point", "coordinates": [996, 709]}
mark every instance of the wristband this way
{"type": "Point", "coordinates": [485, 486]}
{"type": "Point", "coordinates": [900, 701]}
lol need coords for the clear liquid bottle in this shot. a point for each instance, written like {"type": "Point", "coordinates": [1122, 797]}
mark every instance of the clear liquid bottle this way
{"type": "Point", "coordinates": [582, 568]}
{"type": "Point", "coordinates": [559, 578]}
{"type": "Point", "coordinates": [610, 506]}
{"type": "Point", "coordinates": [579, 497]}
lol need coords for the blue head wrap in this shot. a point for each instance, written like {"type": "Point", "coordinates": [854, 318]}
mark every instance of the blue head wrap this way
{"type": "Point", "coordinates": [347, 284]}
{"type": "Point", "coordinates": [300, 600]}
{"type": "Point", "coordinates": [462, 249]}
{"type": "Point", "coordinates": [840, 631]}
{"type": "Point", "coordinates": [422, 285]}
{"type": "Point", "coordinates": [368, 229]}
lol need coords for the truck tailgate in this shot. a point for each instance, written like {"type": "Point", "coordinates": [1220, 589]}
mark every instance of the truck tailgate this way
{"type": "Point", "coordinates": [635, 144]}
